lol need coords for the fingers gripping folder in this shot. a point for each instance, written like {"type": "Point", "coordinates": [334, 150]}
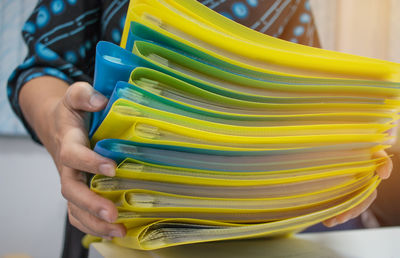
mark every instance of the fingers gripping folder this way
{"type": "Point", "coordinates": [221, 132]}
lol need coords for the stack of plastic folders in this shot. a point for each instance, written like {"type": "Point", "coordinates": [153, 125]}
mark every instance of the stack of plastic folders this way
{"type": "Point", "coordinates": [221, 132]}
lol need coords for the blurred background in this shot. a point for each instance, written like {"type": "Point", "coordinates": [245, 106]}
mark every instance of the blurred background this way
{"type": "Point", "coordinates": [362, 27]}
{"type": "Point", "coordinates": [32, 209]}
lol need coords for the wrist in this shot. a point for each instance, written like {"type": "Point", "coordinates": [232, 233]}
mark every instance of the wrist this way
{"type": "Point", "coordinates": [44, 121]}
{"type": "Point", "coordinates": [38, 100]}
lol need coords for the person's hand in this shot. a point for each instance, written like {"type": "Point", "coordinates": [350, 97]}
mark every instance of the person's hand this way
{"type": "Point", "coordinates": [63, 131]}
{"type": "Point", "coordinates": [384, 172]}
{"type": "Point", "coordinates": [87, 211]}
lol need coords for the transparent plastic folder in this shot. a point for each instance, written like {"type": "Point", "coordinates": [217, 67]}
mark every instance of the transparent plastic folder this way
{"type": "Point", "coordinates": [135, 169]}
{"type": "Point", "coordinates": [131, 121]}
{"type": "Point", "coordinates": [145, 201]}
{"type": "Point", "coordinates": [112, 187]}
{"type": "Point", "coordinates": [276, 55]}
{"type": "Point", "coordinates": [158, 233]}
{"type": "Point", "coordinates": [240, 214]}
{"type": "Point", "coordinates": [237, 161]}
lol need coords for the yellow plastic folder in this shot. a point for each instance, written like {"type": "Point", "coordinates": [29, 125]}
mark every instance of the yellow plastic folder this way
{"type": "Point", "coordinates": [304, 181]}
{"type": "Point", "coordinates": [152, 233]}
{"type": "Point", "coordinates": [129, 120]}
{"type": "Point", "coordinates": [135, 169]}
{"type": "Point", "coordinates": [226, 40]}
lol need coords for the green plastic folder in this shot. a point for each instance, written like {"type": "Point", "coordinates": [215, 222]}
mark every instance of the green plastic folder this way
{"type": "Point", "coordinates": [218, 80]}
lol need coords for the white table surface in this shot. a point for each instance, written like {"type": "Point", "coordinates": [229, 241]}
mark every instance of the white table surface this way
{"type": "Point", "coordinates": [363, 243]}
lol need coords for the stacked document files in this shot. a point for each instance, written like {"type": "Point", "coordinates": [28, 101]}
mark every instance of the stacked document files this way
{"type": "Point", "coordinates": [221, 132]}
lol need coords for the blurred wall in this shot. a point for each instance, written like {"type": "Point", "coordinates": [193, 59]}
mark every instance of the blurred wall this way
{"type": "Point", "coordinates": [13, 14]}
{"type": "Point", "coordinates": [364, 27]}
{"type": "Point", "coordinates": [32, 212]}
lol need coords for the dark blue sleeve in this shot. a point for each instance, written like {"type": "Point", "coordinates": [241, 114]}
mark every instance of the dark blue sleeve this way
{"type": "Point", "coordinates": [61, 36]}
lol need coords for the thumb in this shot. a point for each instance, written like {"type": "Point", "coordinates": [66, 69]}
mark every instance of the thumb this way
{"type": "Point", "coordinates": [81, 96]}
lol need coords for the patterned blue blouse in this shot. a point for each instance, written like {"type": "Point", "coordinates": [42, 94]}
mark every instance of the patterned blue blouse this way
{"type": "Point", "coordinates": [61, 35]}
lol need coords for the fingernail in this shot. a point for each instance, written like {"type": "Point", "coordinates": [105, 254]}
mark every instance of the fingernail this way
{"type": "Point", "coordinates": [97, 100]}
{"type": "Point", "coordinates": [333, 223]}
{"type": "Point", "coordinates": [345, 219]}
{"type": "Point", "coordinates": [107, 169]}
{"type": "Point", "coordinates": [385, 170]}
{"type": "Point", "coordinates": [116, 233]}
{"type": "Point", "coordinates": [103, 214]}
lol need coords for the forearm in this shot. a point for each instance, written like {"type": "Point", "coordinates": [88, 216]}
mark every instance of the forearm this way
{"type": "Point", "coordinates": [37, 100]}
